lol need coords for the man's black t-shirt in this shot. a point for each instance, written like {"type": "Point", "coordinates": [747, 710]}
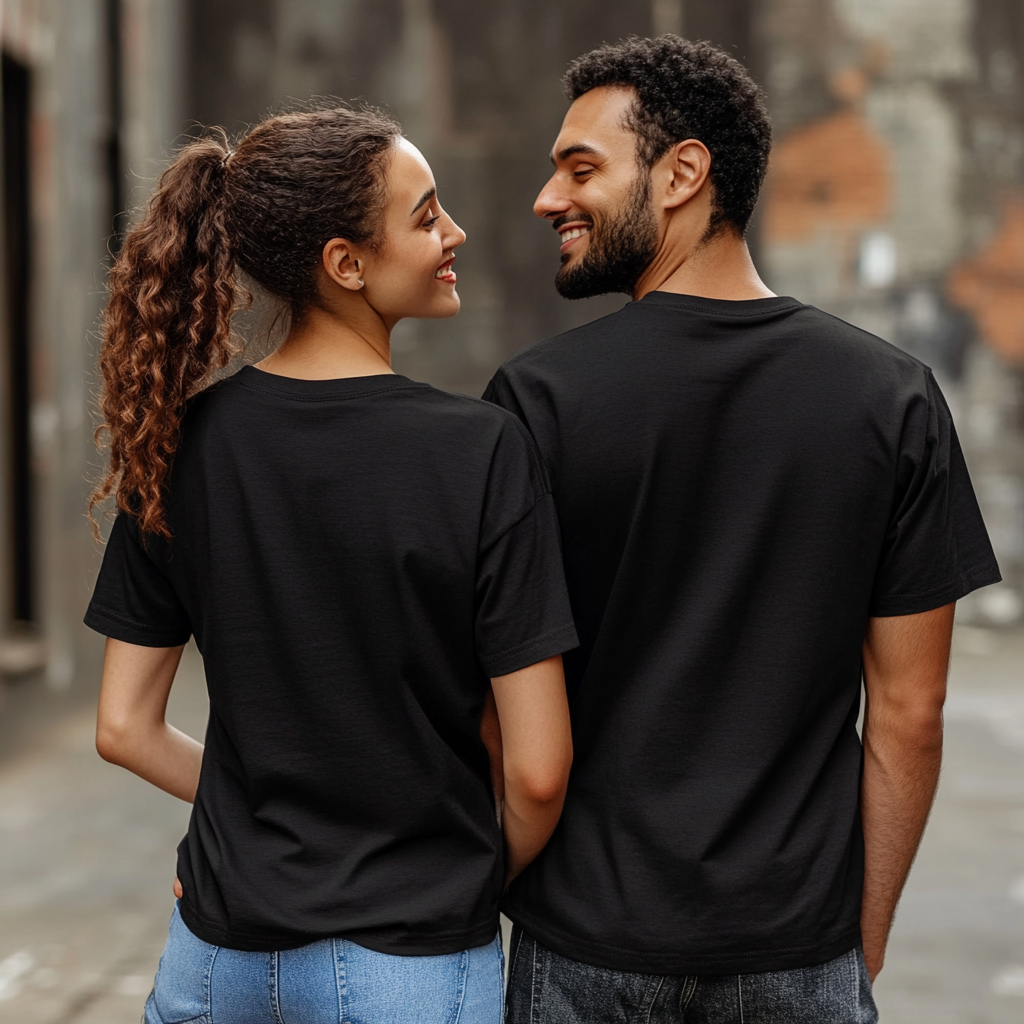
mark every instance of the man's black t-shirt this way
{"type": "Point", "coordinates": [740, 485]}
{"type": "Point", "coordinates": [355, 558]}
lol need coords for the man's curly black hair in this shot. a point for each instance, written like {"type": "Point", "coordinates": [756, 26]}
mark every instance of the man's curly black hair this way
{"type": "Point", "coordinates": [688, 90]}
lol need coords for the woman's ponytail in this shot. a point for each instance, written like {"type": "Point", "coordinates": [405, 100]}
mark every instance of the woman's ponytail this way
{"type": "Point", "coordinates": [166, 328]}
{"type": "Point", "coordinates": [293, 183]}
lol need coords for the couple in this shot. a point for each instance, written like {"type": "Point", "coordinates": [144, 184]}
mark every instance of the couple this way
{"type": "Point", "coordinates": [723, 507]}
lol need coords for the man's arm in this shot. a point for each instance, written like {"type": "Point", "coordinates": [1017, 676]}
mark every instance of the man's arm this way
{"type": "Point", "coordinates": [906, 661]}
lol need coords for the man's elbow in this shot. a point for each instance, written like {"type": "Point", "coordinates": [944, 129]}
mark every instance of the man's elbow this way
{"type": "Point", "coordinates": [912, 725]}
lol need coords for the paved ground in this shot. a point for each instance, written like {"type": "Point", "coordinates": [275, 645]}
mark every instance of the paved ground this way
{"type": "Point", "coordinates": [87, 854]}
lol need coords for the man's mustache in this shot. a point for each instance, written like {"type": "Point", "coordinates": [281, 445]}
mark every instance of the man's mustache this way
{"type": "Point", "coordinates": [572, 218]}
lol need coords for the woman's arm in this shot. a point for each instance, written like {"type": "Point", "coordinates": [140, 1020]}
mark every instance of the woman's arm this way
{"type": "Point", "coordinates": [536, 753]}
{"type": "Point", "coordinates": [130, 726]}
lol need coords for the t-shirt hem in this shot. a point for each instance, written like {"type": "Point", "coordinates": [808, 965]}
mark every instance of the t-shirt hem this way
{"type": "Point", "coordinates": [926, 601]}
{"type": "Point", "coordinates": [397, 942]}
{"type": "Point", "coordinates": [117, 628]}
{"type": "Point", "coordinates": [555, 641]}
{"type": "Point", "coordinates": [634, 959]}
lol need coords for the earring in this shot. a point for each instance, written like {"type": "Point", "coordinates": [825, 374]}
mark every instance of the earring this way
{"type": "Point", "coordinates": [361, 282]}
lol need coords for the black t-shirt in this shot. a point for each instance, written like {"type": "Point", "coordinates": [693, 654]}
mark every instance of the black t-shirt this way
{"type": "Point", "coordinates": [740, 485]}
{"type": "Point", "coordinates": [354, 558]}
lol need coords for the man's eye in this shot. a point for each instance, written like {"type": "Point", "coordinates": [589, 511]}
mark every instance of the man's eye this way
{"type": "Point", "coordinates": [581, 174]}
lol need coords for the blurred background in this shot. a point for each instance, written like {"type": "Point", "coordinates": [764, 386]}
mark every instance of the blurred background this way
{"type": "Point", "coordinates": [895, 200]}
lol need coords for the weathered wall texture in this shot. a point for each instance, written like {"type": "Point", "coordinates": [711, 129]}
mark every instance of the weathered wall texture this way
{"type": "Point", "coordinates": [76, 130]}
{"type": "Point", "coordinates": [896, 198]}
{"type": "Point", "coordinates": [63, 48]}
{"type": "Point", "coordinates": [896, 201]}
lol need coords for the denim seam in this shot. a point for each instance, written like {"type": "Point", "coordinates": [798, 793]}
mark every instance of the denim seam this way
{"type": "Point", "coordinates": [340, 978]}
{"type": "Point", "coordinates": [516, 946]}
{"type": "Point", "coordinates": [654, 998]}
{"type": "Point", "coordinates": [208, 986]}
{"type": "Point", "coordinates": [693, 981]}
{"type": "Point", "coordinates": [533, 985]}
{"type": "Point", "coordinates": [501, 975]}
{"type": "Point", "coordinates": [273, 979]}
{"type": "Point", "coordinates": [460, 996]}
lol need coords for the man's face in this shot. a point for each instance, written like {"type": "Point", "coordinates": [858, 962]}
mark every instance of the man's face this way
{"type": "Point", "coordinates": [599, 198]}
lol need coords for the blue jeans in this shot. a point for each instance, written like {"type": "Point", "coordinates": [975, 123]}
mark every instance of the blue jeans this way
{"type": "Point", "coordinates": [545, 988]}
{"type": "Point", "coordinates": [329, 982]}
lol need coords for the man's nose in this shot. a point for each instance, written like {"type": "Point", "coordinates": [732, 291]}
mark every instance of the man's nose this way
{"type": "Point", "coordinates": [550, 203]}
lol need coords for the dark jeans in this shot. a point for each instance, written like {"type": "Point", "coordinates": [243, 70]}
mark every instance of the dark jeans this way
{"type": "Point", "coordinates": [545, 988]}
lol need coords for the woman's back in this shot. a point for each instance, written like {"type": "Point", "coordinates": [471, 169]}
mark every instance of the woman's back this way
{"type": "Point", "coordinates": [370, 567]}
{"type": "Point", "coordinates": [350, 556]}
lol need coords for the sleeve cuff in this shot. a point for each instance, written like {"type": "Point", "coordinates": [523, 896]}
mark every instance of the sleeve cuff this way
{"type": "Point", "coordinates": [555, 641]}
{"type": "Point", "coordinates": [131, 633]}
{"type": "Point", "coordinates": [913, 604]}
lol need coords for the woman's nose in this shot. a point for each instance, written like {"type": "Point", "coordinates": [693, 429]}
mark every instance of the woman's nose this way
{"type": "Point", "coordinates": [455, 237]}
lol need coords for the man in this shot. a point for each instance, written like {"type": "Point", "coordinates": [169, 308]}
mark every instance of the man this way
{"type": "Point", "coordinates": [759, 503]}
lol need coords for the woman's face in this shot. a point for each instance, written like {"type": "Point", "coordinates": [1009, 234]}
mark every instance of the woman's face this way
{"type": "Point", "coordinates": [412, 275]}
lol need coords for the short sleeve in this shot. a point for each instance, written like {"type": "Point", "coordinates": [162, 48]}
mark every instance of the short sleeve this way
{"type": "Point", "coordinates": [522, 605]}
{"type": "Point", "coordinates": [133, 600]}
{"type": "Point", "coordinates": [936, 549]}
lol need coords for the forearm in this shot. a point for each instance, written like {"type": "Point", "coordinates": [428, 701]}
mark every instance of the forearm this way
{"type": "Point", "coordinates": [901, 773]}
{"type": "Point", "coordinates": [528, 825]}
{"type": "Point", "coordinates": [162, 755]}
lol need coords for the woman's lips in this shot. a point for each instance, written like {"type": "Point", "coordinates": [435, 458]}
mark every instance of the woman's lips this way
{"type": "Point", "coordinates": [445, 272]}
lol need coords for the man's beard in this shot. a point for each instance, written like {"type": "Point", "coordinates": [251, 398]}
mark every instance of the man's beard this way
{"type": "Point", "coordinates": [618, 252]}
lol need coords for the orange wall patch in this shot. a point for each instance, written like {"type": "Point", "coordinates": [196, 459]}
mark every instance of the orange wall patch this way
{"type": "Point", "coordinates": [834, 172]}
{"type": "Point", "coordinates": [990, 285]}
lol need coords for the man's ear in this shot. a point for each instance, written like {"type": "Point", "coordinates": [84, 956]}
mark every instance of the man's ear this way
{"type": "Point", "coordinates": [343, 263]}
{"type": "Point", "coordinates": [686, 167]}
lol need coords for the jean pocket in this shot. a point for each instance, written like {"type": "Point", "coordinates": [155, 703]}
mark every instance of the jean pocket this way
{"type": "Point", "coordinates": [379, 988]}
{"type": "Point", "coordinates": [181, 993]}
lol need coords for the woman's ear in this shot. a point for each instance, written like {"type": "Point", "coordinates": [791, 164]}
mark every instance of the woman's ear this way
{"type": "Point", "coordinates": [343, 264]}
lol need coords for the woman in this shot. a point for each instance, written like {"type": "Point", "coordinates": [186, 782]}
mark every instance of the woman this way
{"type": "Point", "coordinates": [356, 555]}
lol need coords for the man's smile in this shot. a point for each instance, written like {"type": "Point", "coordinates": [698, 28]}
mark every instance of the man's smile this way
{"type": "Point", "coordinates": [570, 232]}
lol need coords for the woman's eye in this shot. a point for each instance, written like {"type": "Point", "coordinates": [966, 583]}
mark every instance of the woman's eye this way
{"type": "Point", "coordinates": [430, 222]}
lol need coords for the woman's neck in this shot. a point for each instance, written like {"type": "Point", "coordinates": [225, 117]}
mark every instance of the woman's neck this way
{"type": "Point", "coordinates": [322, 346]}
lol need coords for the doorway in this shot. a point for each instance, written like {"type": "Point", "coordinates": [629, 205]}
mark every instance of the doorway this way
{"type": "Point", "coordinates": [17, 262]}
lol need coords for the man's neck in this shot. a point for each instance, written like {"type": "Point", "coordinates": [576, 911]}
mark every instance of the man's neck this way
{"type": "Point", "coordinates": [719, 268]}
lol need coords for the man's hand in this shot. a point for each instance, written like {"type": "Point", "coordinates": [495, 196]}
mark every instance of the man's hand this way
{"type": "Point", "coordinates": [178, 891]}
{"type": "Point", "coordinates": [906, 661]}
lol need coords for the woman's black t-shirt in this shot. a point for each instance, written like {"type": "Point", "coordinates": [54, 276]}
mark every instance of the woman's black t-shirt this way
{"type": "Point", "coordinates": [354, 558]}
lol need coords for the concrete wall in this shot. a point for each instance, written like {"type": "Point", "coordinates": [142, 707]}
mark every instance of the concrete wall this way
{"type": "Point", "coordinates": [896, 198]}
{"type": "Point", "coordinates": [896, 201]}
{"type": "Point", "coordinates": [64, 47]}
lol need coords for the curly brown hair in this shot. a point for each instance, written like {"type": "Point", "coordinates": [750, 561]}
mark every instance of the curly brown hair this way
{"type": "Point", "coordinates": [267, 206]}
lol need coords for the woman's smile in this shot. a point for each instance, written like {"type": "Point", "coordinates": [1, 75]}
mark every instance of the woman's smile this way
{"type": "Point", "coordinates": [445, 272]}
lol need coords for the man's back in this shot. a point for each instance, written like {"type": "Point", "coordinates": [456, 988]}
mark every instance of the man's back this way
{"type": "Point", "coordinates": [740, 485]}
